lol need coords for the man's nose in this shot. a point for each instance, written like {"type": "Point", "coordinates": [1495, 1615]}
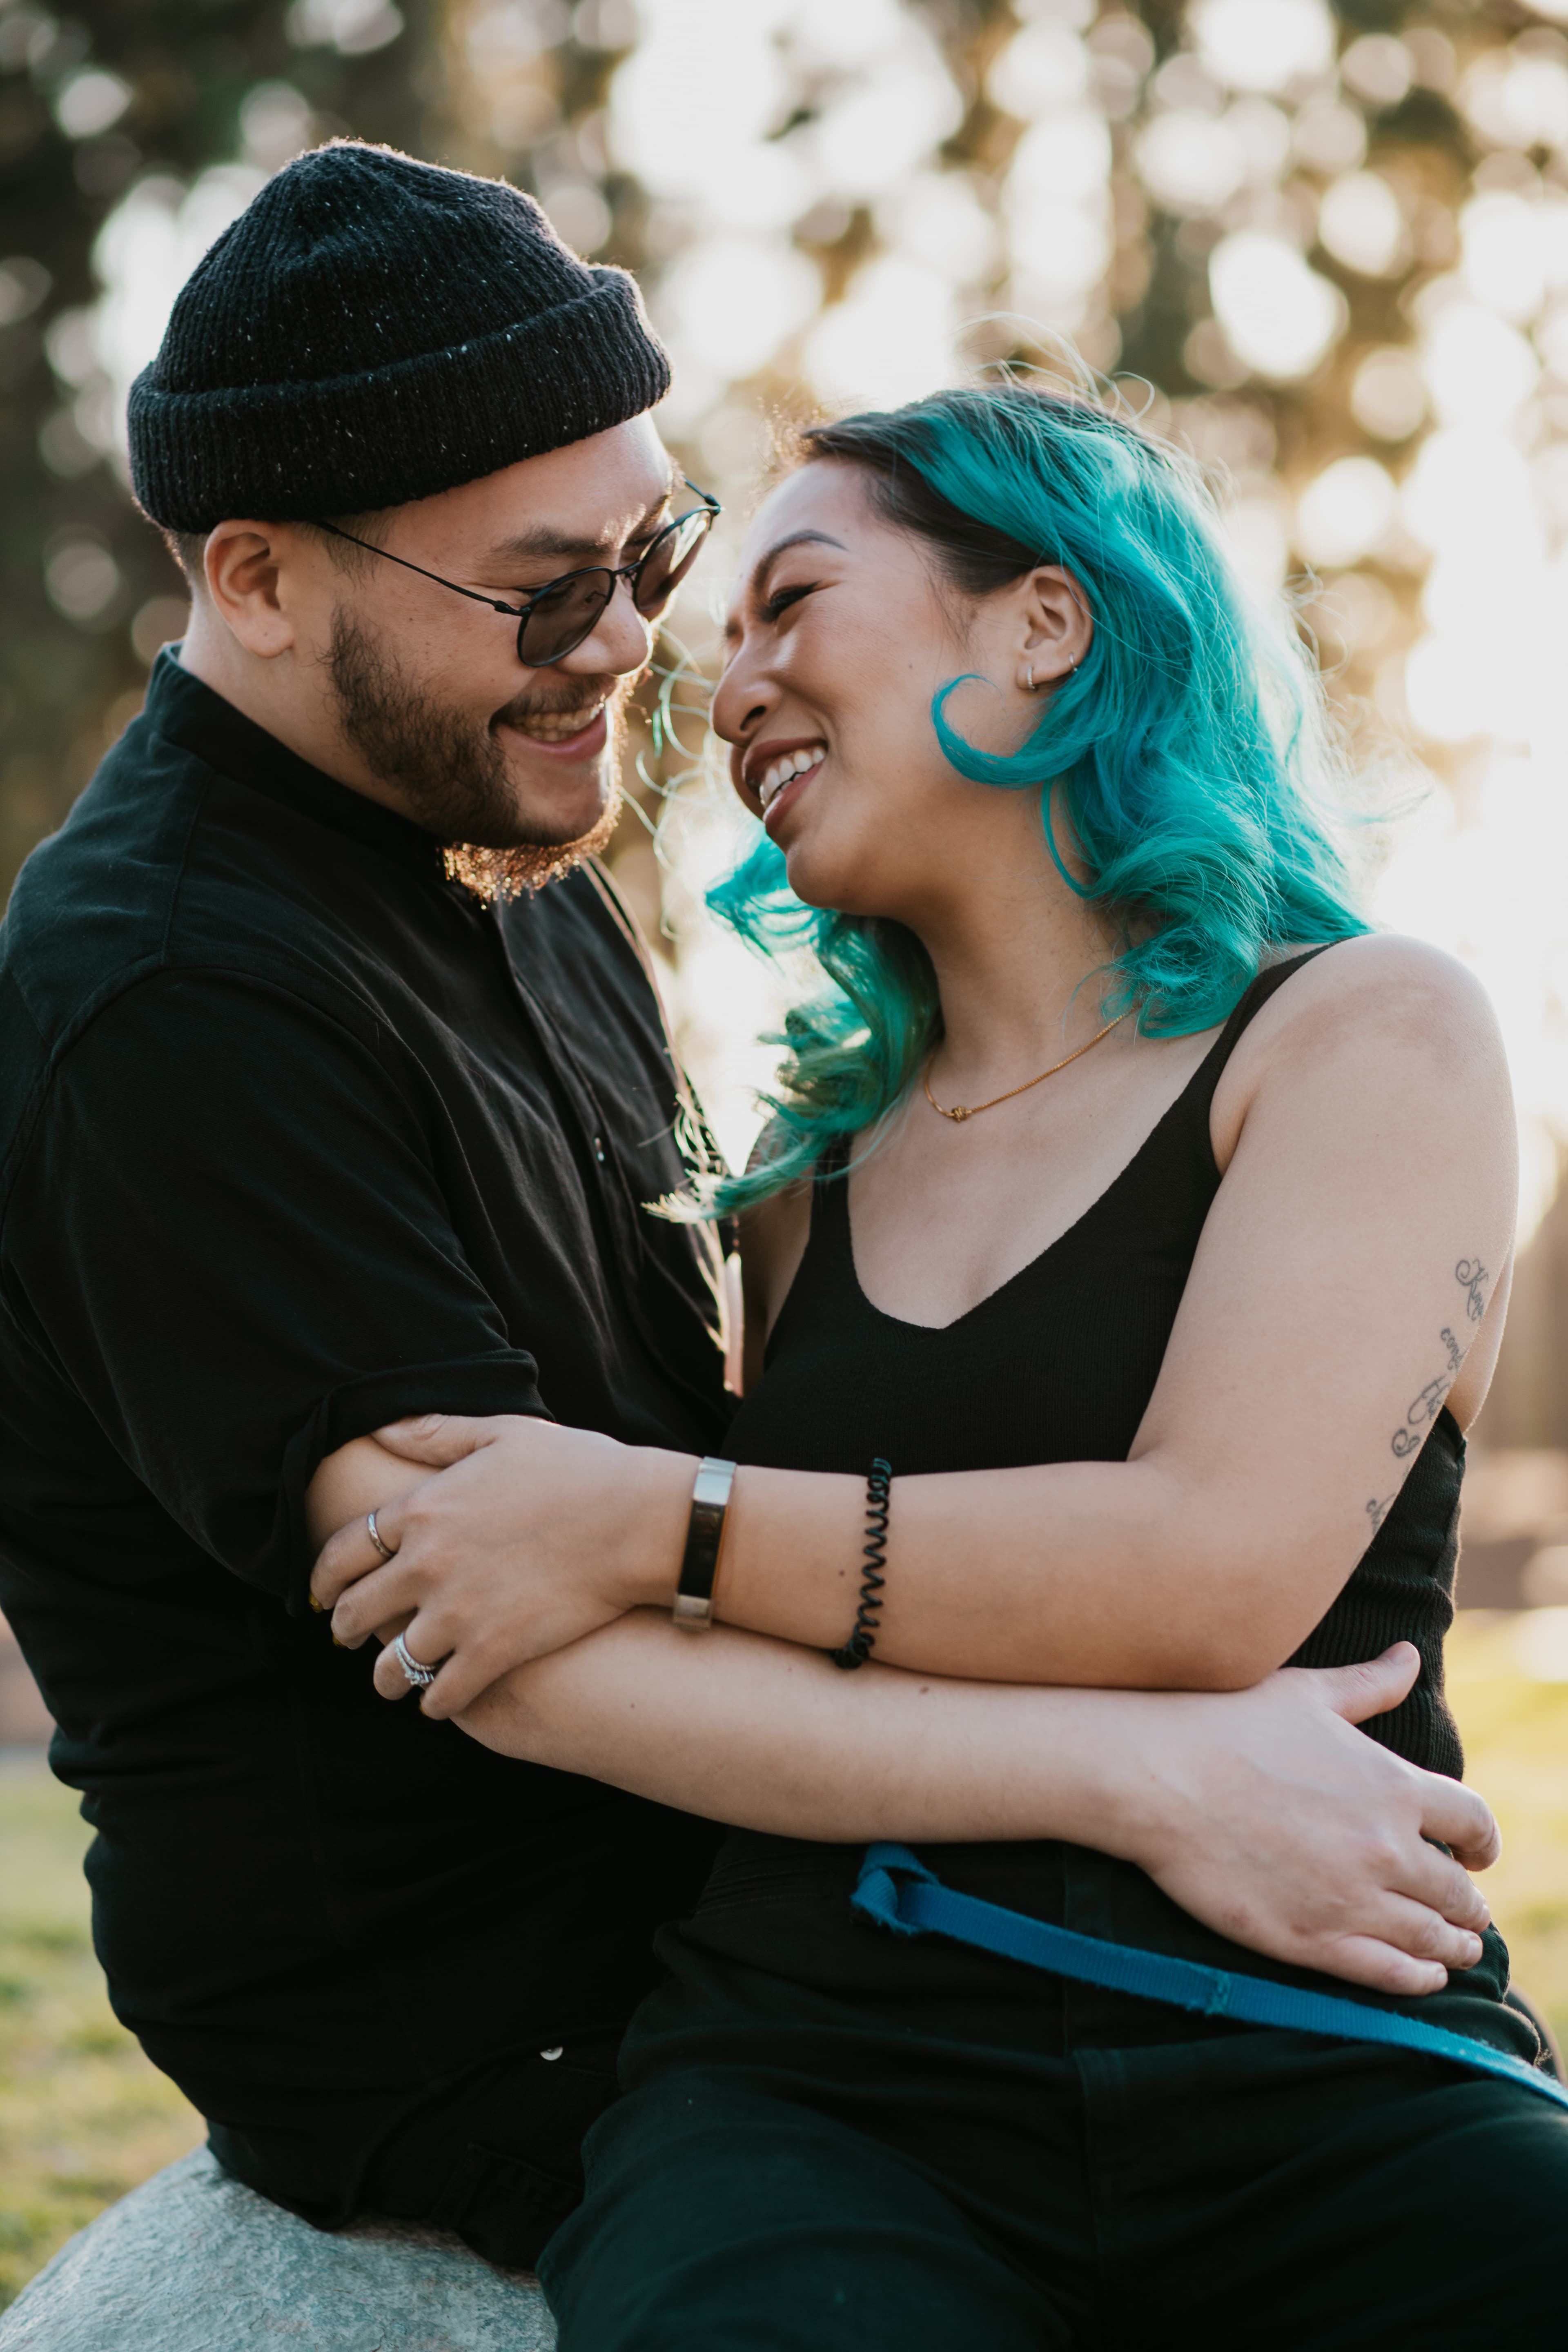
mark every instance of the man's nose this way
{"type": "Point", "coordinates": [621, 642]}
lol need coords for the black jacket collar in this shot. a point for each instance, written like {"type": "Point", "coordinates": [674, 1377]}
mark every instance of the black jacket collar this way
{"type": "Point", "coordinates": [200, 721]}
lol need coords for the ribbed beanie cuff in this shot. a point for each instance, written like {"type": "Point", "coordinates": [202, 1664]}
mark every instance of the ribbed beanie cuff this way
{"type": "Point", "coordinates": [372, 331]}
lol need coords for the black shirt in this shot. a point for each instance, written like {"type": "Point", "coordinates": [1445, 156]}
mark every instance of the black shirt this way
{"type": "Point", "coordinates": [296, 1137]}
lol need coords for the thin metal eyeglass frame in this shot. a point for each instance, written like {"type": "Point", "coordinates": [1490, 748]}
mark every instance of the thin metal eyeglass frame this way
{"type": "Point", "coordinates": [521, 614]}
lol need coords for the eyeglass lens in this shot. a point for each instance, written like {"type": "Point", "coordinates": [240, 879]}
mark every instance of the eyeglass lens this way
{"type": "Point", "coordinates": [557, 621]}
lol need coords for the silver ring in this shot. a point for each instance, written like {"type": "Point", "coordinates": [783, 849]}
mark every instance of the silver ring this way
{"type": "Point", "coordinates": [373, 1532]}
{"type": "Point", "coordinates": [419, 1677]}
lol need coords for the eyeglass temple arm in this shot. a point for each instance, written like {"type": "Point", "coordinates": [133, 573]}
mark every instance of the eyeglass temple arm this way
{"type": "Point", "coordinates": [513, 612]}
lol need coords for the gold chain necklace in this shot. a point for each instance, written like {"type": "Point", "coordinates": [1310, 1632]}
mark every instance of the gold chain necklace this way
{"type": "Point", "coordinates": [971, 1111]}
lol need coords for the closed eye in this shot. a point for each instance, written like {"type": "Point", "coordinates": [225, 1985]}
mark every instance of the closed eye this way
{"type": "Point", "coordinates": [779, 602]}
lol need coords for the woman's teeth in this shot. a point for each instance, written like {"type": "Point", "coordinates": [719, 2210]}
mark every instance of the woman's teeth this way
{"type": "Point", "coordinates": [557, 726]}
{"type": "Point", "coordinates": [783, 771]}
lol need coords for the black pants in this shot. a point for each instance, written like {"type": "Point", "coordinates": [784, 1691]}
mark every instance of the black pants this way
{"type": "Point", "coordinates": [832, 2139]}
{"type": "Point", "coordinates": [497, 2157]}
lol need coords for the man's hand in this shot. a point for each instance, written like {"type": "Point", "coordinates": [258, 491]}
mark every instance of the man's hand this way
{"type": "Point", "coordinates": [531, 1536]}
{"type": "Point", "coordinates": [1270, 1818]}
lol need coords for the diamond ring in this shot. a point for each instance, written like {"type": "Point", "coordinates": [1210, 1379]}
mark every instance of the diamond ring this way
{"type": "Point", "coordinates": [419, 1677]}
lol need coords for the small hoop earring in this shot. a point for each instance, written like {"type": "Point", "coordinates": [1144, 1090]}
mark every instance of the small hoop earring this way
{"type": "Point", "coordinates": [1072, 661]}
{"type": "Point", "coordinates": [1031, 676]}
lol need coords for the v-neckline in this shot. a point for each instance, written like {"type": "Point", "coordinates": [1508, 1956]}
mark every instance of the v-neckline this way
{"type": "Point", "coordinates": [1173, 1111]}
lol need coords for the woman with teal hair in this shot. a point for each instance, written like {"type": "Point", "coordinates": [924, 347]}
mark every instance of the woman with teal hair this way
{"type": "Point", "coordinates": [1124, 1258]}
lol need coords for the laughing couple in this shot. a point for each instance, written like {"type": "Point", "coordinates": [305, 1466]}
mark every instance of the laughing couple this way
{"type": "Point", "coordinates": [1124, 1257]}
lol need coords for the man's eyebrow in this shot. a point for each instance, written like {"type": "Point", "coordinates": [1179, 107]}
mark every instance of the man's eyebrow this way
{"type": "Point", "coordinates": [797, 539]}
{"type": "Point", "coordinates": [546, 542]}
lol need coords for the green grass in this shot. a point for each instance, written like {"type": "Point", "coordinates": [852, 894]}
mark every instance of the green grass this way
{"type": "Point", "coordinates": [84, 2117]}
{"type": "Point", "coordinates": [1516, 1753]}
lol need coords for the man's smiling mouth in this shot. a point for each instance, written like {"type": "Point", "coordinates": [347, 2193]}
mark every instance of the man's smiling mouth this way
{"type": "Point", "coordinates": [557, 726]}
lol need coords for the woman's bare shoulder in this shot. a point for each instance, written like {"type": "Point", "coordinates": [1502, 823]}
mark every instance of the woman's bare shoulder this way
{"type": "Point", "coordinates": [1379, 992]}
{"type": "Point", "coordinates": [1379, 1011]}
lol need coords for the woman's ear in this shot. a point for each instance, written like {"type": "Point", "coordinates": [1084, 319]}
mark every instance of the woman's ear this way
{"type": "Point", "coordinates": [1055, 627]}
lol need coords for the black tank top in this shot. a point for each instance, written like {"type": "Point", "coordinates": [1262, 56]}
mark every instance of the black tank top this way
{"type": "Point", "coordinates": [1058, 1365]}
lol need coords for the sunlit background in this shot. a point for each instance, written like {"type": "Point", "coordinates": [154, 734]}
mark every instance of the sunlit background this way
{"type": "Point", "coordinates": [1325, 248]}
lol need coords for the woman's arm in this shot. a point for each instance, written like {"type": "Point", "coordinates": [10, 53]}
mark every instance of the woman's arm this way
{"type": "Point", "coordinates": [1347, 1264]}
{"type": "Point", "coordinates": [1262, 1812]}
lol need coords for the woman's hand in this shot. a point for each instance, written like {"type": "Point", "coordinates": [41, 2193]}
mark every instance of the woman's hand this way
{"type": "Point", "coordinates": [1273, 1820]}
{"type": "Point", "coordinates": [532, 1536]}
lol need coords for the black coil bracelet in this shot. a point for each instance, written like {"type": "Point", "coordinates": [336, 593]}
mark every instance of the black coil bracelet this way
{"type": "Point", "coordinates": [878, 1504]}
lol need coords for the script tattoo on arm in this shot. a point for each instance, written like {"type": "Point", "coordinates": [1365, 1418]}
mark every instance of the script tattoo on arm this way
{"type": "Point", "coordinates": [1424, 1410]}
{"type": "Point", "coordinates": [1472, 1273]}
{"type": "Point", "coordinates": [1428, 1403]}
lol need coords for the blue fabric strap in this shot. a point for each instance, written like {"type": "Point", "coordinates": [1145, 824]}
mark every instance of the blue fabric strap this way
{"type": "Point", "coordinates": [898, 1892]}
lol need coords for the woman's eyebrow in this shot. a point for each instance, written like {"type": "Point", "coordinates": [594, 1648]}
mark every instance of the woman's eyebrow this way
{"type": "Point", "coordinates": [797, 539]}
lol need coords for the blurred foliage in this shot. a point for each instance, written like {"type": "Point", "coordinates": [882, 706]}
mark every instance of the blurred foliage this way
{"type": "Point", "coordinates": [66, 686]}
{"type": "Point", "coordinates": [964, 182]}
{"type": "Point", "coordinates": [537, 109]}
{"type": "Point", "coordinates": [525, 88]}
{"type": "Point", "coordinates": [1515, 1731]}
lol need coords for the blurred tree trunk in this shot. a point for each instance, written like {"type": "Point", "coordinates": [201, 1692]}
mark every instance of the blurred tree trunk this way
{"type": "Point", "coordinates": [68, 684]}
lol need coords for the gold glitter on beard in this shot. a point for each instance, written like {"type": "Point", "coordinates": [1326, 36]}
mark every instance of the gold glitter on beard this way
{"type": "Point", "coordinates": [525, 867]}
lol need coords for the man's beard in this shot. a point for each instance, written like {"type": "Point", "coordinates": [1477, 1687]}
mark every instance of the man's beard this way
{"type": "Point", "coordinates": [453, 776]}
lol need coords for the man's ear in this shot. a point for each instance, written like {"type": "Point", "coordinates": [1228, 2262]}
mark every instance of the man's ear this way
{"type": "Point", "coordinates": [243, 565]}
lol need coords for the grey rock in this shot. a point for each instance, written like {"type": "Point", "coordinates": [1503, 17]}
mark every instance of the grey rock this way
{"type": "Point", "coordinates": [192, 2261]}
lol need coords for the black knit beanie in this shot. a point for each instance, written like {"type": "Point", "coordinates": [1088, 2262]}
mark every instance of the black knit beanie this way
{"type": "Point", "coordinates": [373, 330]}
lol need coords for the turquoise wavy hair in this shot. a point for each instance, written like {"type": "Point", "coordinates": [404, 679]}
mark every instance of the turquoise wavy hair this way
{"type": "Point", "coordinates": [1190, 752]}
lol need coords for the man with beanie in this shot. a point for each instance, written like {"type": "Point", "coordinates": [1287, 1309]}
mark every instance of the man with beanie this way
{"type": "Point", "coordinates": [316, 1112]}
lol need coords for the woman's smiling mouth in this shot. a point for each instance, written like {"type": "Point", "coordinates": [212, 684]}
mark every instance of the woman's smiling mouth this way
{"type": "Point", "coordinates": [784, 769]}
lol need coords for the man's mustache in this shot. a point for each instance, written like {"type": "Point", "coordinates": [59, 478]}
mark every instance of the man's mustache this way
{"type": "Point", "coordinates": [582, 694]}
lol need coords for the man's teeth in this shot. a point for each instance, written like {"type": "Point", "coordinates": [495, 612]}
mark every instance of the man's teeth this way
{"type": "Point", "coordinates": [557, 726]}
{"type": "Point", "coordinates": [782, 771]}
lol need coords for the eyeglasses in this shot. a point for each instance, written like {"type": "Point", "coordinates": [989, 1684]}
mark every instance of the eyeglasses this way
{"type": "Point", "coordinates": [562, 614]}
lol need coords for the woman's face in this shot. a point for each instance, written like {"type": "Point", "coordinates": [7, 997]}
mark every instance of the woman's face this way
{"type": "Point", "coordinates": [841, 632]}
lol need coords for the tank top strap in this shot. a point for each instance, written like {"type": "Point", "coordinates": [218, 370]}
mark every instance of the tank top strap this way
{"type": "Point", "coordinates": [824, 1289]}
{"type": "Point", "coordinates": [830, 1190]}
{"type": "Point", "coordinates": [1197, 1100]}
